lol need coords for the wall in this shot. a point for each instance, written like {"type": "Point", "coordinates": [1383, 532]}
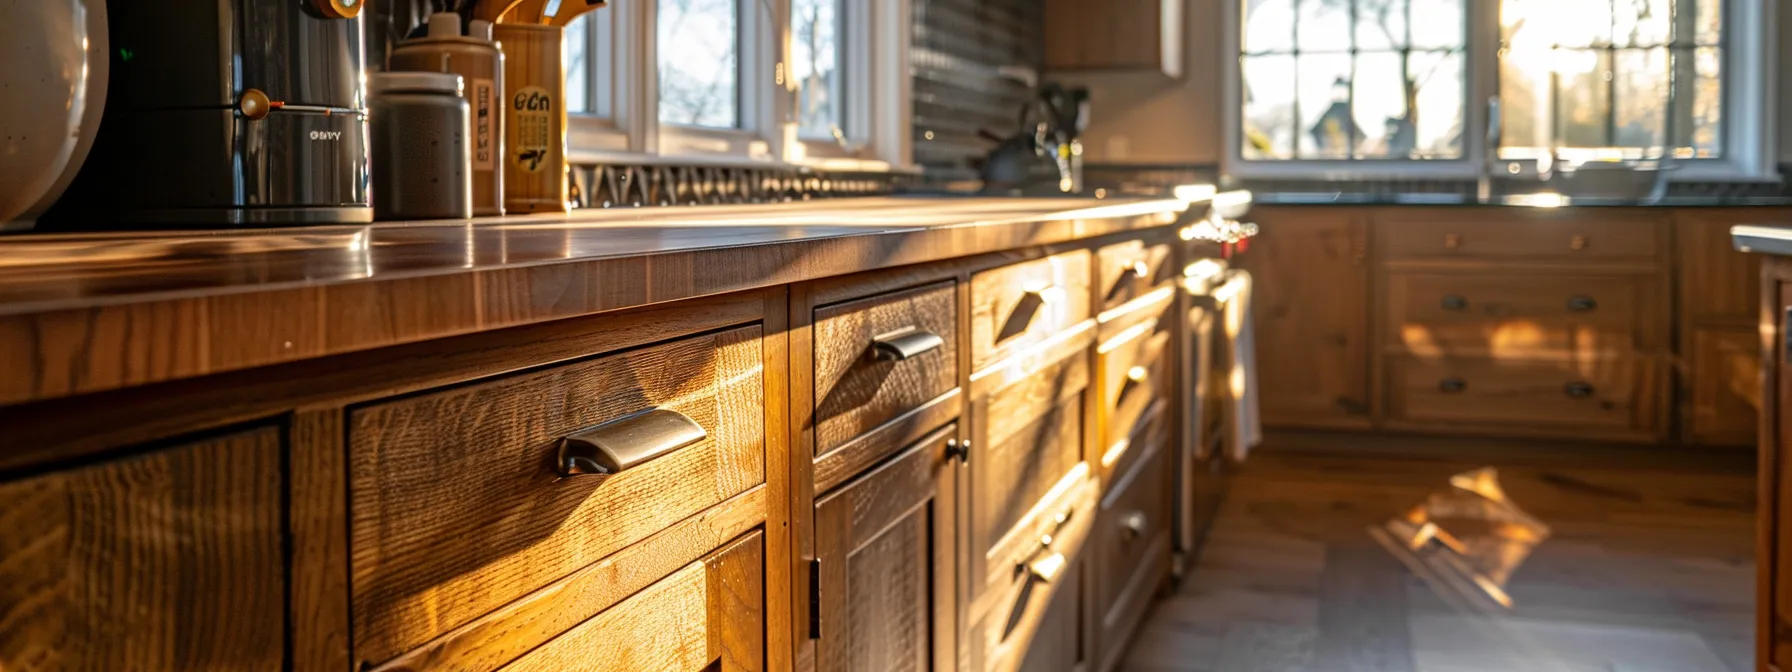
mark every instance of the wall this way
{"type": "Point", "coordinates": [1141, 118]}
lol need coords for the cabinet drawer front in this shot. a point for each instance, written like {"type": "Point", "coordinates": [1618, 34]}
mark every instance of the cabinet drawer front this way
{"type": "Point", "coordinates": [1023, 573]}
{"type": "Point", "coordinates": [1134, 375]}
{"type": "Point", "coordinates": [1610, 303]}
{"type": "Point", "coordinates": [708, 615]}
{"type": "Point", "coordinates": [1031, 436]}
{"type": "Point", "coordinates": [880, 357]}
{"type": "Point", "coordinates": [1521, 237]}
{"type": "Point", "coordinates": [1129, 270]}
{"type": "Point", "coordinates": [459, 505]}
{"type": "Point", "coordinates": [1593, 391]}
{"type": "Point", "coordinates": [171, 560]}
{"type": "Point", "coordinates": [1130, 545]}
{"type": "Point", "coordinates": [1018, 305]}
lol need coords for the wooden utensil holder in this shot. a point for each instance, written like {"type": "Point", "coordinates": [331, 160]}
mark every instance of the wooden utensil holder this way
{"type": "Point", "coordinates": [534, 117]}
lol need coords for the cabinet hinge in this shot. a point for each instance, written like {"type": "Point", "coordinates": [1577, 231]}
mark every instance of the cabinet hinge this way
{"type": "Point", "coordinates": [815, 598]}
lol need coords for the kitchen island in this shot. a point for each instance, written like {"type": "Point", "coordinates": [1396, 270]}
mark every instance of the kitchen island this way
{"type": "Point", "coordinates": [1773, 544]}
{"type": "Point", "coordinates": [853, 434]}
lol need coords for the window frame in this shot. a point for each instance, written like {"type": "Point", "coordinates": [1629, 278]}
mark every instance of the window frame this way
{"type": "Point", "coordinates": [1750, 103]}
{"type": "Point", "coordinates": [874, 37]}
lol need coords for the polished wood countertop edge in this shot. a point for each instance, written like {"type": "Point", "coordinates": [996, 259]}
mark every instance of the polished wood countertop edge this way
{"type": "Point", "coordinates": [298, 299]}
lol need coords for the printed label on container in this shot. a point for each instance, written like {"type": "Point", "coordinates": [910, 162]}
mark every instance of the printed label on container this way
{"type": "Point", "coordinates": [532, 113]}
{"type": "Point", "coordinates": [485, 105]}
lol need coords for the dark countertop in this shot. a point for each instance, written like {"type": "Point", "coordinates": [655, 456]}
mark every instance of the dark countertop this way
{"type": "Point", "coordinates": [93, 312]}
{"type": "Point", "coordinates": [1762, 238]}
{"type": "Point", "coordinates": [1532, 201]}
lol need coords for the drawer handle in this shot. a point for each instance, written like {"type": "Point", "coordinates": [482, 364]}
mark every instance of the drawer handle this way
{"type": "Point", "coordinates": [1139, 268]}
{"type": "Point", "coordinates": [1046, 569]}
{"type": "Point", "coordinates": [958, 450]}
{"type": "Point", "coordinates": [1046, 294]}
{"type": "Point", "coordinates": [1581, 304]}
{"type": "Point", "coordinates": [620, 445]}
{"type": "Point", "coordinates": [1452, 241]}
{"type": "Point", "coordinates": [1577, 243]}
{"type": "Point", "coordinates": [1138, 374]}
{"type": "Point", "coordinates": [1454, 302]}
{"type": "Point", "coordinates": [1578, 390]}
{"type": "Point", "coordinates": [1452, 385]}
{"type": "Point", "coordinates": [909, 343]}
{"type": "Point", "coordinates": [1134, 524]}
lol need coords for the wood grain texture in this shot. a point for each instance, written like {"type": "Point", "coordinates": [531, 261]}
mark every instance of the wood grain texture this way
{"type": "Point", "coordinates": [1517, 233]}
{"type": "Point", "coordinates": [1061, 641]}
{"type": "Point", "coordinates": [1775, 553]}
{"type": "Point", "coordinates": [1134, 374]}
{"type": "Point", "coordinates": [848, 460]}
{"type": "Point", "coordinates": [1311, 296]}
{"type": "Point", "coordinates": [503, 635]}
{"type": "Point", "coordinates": [1514, 312]}
{"type": "Point", "coordinates": [1527, 392]}
{"type": "Point", "coordinates": [534, 105]}
{"type": "Point", "coordinates": [62, 429]}
{"type": "Point", "coordinates": [1127, 564]}
{"type": "Point", "coordinates": [1724, 388]}
{"type": "Point", "coordinates": [168, 560]}
{"type": "Point", "coordinates": [1007, 606]}
{"type": "Point", "coordinates": [854, 391]}
{"type": "Point", "coordinates": [1020, 305]}
{"type": "Point", "coordinates": [426, 470]}
{"type": "Point", "coordinates": [708, 615]}
{"type": "Point", "coordinates": [1122, 35]}
{"type": "Point", "coordinates": [1116, 278]}
{"type": "Point", "coordinates": [1716, 284]}
{"type": "Point", "coordinates": [880, 540]}
{"type": "Point", "coordinates": [211, 302]}
{"type": "Point", "coordinates": [317, 517]}
{"type": "Point", "coordinates": [781, 464]}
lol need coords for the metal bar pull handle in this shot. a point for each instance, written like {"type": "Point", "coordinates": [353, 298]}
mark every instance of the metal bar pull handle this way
{"type": "Point", "coordinates": [905, 344]}
{"type": "Point", "coordinates": [1045, 293]}
{"type": "Point", "coordinates": [625, 443]}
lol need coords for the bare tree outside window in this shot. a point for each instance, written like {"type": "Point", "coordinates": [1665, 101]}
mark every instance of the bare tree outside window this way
{"type": "Point", "coordinates": [815, 63]}
{"type": "Point", "coordinates": [699, 72]}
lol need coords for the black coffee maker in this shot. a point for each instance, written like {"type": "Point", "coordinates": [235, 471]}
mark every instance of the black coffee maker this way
{"type": "Point", "coordinates": [227, 113]}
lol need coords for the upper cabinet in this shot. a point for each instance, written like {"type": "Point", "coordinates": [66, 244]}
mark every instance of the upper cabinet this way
{"type": "Point", "coordinates": [1114, 35]}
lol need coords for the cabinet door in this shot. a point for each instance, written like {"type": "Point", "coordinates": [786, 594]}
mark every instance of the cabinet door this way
{"type": "Point", "coordinates": [1775, 545]}
{"type": "Point", "coordinates": [884, 542]}
{"type": "Point", "coordinates": [1311, 299]}
{"type": "Point", "coordinates": [170, 560]}
{"type": "Point", "coordinates": [1062, 642]}
{"type": "Point", "coordinates": [1723, 385]}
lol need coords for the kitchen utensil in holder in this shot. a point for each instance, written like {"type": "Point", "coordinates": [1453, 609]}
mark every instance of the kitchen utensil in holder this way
{"type": "Point", "coordinates": [534, 117]}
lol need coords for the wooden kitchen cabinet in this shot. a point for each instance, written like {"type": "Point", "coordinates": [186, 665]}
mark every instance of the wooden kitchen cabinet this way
{"type": "Point", "coordinates": [1311, 299]}
{"type": "Point", "coordinates": [1142, 35]}
{"type": "Point", "coordinates": [1773, 606]}
{"type": "Point", "coordinates": [884, 546]}
{"type": "Point", "coordinates": [171, 560]}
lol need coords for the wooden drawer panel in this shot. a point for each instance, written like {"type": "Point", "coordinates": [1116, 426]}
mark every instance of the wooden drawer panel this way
{"type": "Point", "coordinates": [869, 362]}
{"type": "Point", "coordinates": [1129, 270]}
{"type": "Point", "coordinates": [1018, 583]}
{"type": "Point", "coordinates": [459, 506]}
{"type": "Point", "coordinates": [1021, 304]}
{"type": "Point", "coordinates": [1593, 392]}
{"type": "Point", "coordinates": [1611, 303]}
{"type": "Point", "coordinates": [1130, 547]}
{"type": "Point", "coordinates": [708, 615]}
{"type": "Point", "coordinates": [172, 560]}
{"type": "Point", "coordinates": [1523, 237]}
{"type": "Point", "coordinates": [1031, 437]}
{"type": "Point", "coordinates": [1134, 371]}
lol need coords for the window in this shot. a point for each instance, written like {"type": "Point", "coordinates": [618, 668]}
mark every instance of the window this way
{"type": "Point", "coordinates": [698, 70]}
{"type": "Point", "coordinates": [1353, 79]}
{"type": "Point", "coordinates": [1338, 88]}
{"type": "Point", "coordinates": [815, 64]}
{"type": "Point", "coordinates": [1611, 79]}
{"type": "Point", "coordinates": [822, 83]}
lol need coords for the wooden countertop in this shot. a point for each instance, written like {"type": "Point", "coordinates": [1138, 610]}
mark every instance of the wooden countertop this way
{"type": "Point", "coordinates": [84, 313]}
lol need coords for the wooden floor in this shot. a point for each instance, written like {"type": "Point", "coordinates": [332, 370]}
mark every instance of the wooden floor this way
{"type": "Point", "coordinates": [1650, 567]}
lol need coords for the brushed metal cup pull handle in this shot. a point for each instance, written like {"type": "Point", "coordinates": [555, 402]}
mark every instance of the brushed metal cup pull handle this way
{"type": "Point", "coordinates": [1047, 569]}
{"type": "Point", "coordinates": [1046, 294]}
{"type": "Point", "coordinates": [1452, 385]}
{"type": "Point", "coordinates": [905, 344]}
{"type": "Point", "coordinates": [1578, 390]}
{"type": "Point", "coordinates": [1134, 524]}
{"type": "Point", "coordinates": [1139, 268]}
{"type": "Point", "coordinates": [625, 443]}
{"type": "Point", "coordinates": [1454, 302]}
{"type": "Point", "coordinates": [1581, 304]}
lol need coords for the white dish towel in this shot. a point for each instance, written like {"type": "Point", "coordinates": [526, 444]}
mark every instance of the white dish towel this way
{"type": "Point", "coordinates": [1244, 429]}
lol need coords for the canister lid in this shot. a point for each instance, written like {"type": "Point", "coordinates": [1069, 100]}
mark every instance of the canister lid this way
{"type": "Point", "coordinates": [414, 82]}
